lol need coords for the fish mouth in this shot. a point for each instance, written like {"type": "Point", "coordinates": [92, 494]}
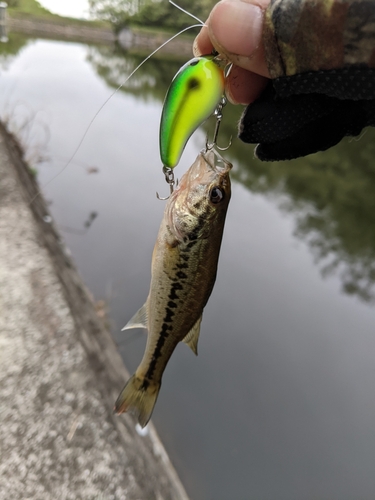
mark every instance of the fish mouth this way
{"type": "Point", "coordinates": [209, 167]}
{"type": "Point", "coordinates": [214, 159]}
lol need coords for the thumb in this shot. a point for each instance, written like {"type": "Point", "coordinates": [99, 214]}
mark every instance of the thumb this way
{"type": "Point", "coordinates": [235, 29]}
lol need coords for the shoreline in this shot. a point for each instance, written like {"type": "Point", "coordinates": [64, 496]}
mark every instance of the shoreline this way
{"type": "Point", "coordinates": [59, 29]}
{"type": "Point", "coordinates": [128, 39]}
{"type": "Point", "coordinates": [60, 370]}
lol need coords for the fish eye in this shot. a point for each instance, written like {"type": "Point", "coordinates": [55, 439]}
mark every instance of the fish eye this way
{"type": "Point", "coordinates": [216, 195]}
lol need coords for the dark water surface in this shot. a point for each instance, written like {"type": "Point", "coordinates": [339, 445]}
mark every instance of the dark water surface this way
{"type": "Point", "coordinates": [280, 403]}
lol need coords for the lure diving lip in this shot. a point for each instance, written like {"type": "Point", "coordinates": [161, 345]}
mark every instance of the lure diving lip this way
{"type": "Point", "coordinates": [192, 97]}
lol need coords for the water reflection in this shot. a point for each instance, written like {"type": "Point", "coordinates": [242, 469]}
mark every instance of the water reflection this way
{"type": "Point", "coordinates": [151, 79]}
{"type": "Point", "coordinates": [280, 402]}
{"type": "Point", "coordinates": [80, 231]}
{"type": "Point", "coordinates": [11, 48]}
{"type": "Point", "coordinates": [330, 193]}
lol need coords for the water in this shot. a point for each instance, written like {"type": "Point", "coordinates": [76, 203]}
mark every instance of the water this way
{"type": "Point", "coordinates": [280, 403]}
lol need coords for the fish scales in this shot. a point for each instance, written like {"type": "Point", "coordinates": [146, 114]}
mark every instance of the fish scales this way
{"type": "Point", "coordinates": [183, 273]}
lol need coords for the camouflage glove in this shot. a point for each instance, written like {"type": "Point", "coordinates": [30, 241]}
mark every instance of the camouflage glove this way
{"type": "Point", "coordinates": [321, 58]}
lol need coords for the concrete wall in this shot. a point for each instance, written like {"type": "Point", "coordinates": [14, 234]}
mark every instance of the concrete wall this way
{"type": "Point", "coordinates": [60, 30]}
{"type": "Point", "coordinates": [127, 38]}
{"type": "Point", "coordinates": [60, 371]}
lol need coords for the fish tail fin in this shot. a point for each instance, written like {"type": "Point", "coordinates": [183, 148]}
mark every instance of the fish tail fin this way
{"type": "Point", "coordinates": [138, 397]}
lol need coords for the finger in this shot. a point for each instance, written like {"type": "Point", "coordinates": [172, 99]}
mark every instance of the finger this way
{"type": "Point", "coordinates": [202, 44]}
{"type": "Point", "coordinates": [234, 28]}
{"type": "Point", "coordinates": [243, 86]}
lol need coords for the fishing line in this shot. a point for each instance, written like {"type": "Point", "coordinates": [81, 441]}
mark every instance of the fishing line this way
{"type": "Point", "coordinates": [186, 12]}
{"type": "Point", "coordinates": [115, 92]}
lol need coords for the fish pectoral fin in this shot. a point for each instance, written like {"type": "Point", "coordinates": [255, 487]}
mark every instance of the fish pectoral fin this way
{"type": "Point", "coordinates": [139, 320]}
{"type": "Point", "coordinates": [192, 337]}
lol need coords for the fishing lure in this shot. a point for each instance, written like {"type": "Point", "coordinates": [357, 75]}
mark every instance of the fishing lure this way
{"type": "Point", "coordinates": [194, 94]}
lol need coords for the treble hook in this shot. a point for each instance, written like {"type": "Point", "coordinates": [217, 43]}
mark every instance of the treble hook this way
{"type": "Point", "coordinates": [219, 115]}
{"type": "Point", "coordinates": [169, 177]}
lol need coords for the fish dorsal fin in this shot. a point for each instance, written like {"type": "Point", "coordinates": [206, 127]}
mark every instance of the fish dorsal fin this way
{"type": "Point", "coordinates": [192, 337]}
{"type": "Point", "coordinates": [139, 320]}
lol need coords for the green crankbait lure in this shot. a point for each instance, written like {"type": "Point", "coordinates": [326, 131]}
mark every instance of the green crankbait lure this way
{"type": "Point", "coordinates": [192, 97]}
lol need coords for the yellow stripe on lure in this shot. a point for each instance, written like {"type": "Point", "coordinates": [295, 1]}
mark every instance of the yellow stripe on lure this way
{"type": "Point", "coordinates": [192, 97]}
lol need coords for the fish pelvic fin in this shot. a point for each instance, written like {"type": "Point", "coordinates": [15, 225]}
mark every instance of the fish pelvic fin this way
{"type": "Point", "coordinates": [138, 397]}
{"type": "Point", "coordinates": [139, 320]}
{"type": "Point", "coordinates": [192, 337]}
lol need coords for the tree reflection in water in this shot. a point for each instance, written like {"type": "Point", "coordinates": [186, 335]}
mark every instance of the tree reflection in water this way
{"type": "Point", "coordinates": [149, 82]}
{"type": "Point", "coordinates": [330, 194]}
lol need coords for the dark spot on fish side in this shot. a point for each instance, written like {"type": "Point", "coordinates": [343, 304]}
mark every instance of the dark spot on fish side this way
{"type": "Point", "coordinates": [193, 83]}
{"type": "Point", "coordinates": [183, 265]}
{"type": "Point", "coordinates": [168, 316]}
{"type": "Point", "coordinates": [181, 275]}
{"type": "Point", "coordinates": [194, 234]}
{"type": "Point", "coordinates": [173, 294]}
{"type": "Point", "coordinates": [145, 385]}
{"type": "Point", "coordinates": [172, 304]}
{"type": "Point", "coordinates": [158, 350]}
{"type": "Point", "coordinates": [197, 205]}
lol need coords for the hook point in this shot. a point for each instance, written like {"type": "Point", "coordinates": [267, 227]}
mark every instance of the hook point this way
{"type": "Point", "coordinates": [160, 198]}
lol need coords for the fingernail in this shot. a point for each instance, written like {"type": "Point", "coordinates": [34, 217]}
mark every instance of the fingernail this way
{"type": "Point", "coordinates": [196, 50]}
{"type": "Point", "coordinates": [202, 43]}
{"type": "Point", "coordinates": [237, 26]}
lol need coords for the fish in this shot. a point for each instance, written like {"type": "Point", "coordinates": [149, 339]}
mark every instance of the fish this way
{"type": "Point", "coordinates": [194, 94]}
{"type": "Point", "coordinates": [183, 273]}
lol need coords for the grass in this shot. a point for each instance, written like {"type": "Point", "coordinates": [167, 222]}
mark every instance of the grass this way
{"type": "Point", "coordinates": [33, 9]}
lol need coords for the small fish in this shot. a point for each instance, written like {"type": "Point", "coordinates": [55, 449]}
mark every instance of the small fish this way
{"type": "Point", "coordinates": [192, 97]}
{"type": "Point", "coordinates": [183, 273]}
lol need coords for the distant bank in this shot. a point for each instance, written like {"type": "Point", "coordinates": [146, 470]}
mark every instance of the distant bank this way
{"type": "Point", "coordinates": [60, 28]}
{"type": "Point", "coordinates": [129, 38]}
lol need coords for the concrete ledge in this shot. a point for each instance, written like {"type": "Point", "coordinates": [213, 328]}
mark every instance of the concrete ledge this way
{"type": "Point", "coordinates": [128, 38]}
{"type": "Point", "coordinates": [60, 30]}
{"type": "Point", "coordinates": [131, 38]}
{"type": "Point", "coordinates": [60, 371]}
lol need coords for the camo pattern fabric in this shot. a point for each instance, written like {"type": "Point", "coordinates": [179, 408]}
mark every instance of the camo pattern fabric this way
{"type": "Point", "coordinates": [321, 58]}
{"type": "Point", "coordinates": [311, 35]}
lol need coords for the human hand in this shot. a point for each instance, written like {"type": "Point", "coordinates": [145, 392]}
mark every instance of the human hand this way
{"type": "Point", "coordinates": [234, 29]}
{"type": "Point", "coordinates": [320, 62]}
